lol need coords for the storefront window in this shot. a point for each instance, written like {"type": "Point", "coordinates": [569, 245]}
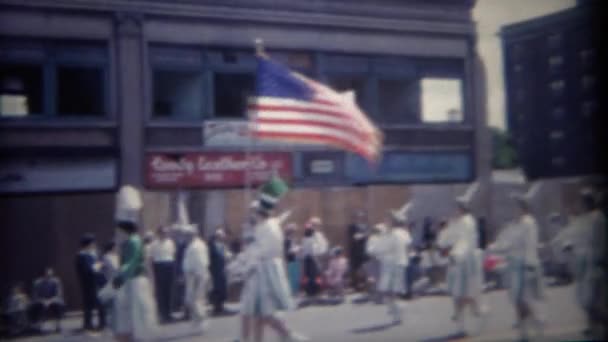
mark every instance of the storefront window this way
{"type": "Point", "coordinates": [20, 90]}
{"type": "Point", "coordinates": [398, 101]}
{"type": "Point", "coordinates": [80, 91]}
{"type": "Point", "coordinates": [355, 83]}
{"type": "Point", "coordinates": [178, 94]}
{"type": "Point", "coordinates": [442, 100]}
{"type": "Point", "coordinates": [231, 92]}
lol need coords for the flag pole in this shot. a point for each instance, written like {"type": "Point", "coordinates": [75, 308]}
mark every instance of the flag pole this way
{"type": "Point", "coordinates": [259, 52]}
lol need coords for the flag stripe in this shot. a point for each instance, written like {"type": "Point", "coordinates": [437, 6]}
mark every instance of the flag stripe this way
{"type": "Point", "coordinates": [314, 139]}
{"type": "Point", "coordinates": [291, 107]}
{"type": "Point", "coordinates": [297, 129]}
{"type": "Point", "coordinates": [285, 119]}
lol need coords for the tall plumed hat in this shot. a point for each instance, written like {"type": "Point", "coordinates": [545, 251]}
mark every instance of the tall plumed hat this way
{"type": "Point", "coordinates": [466, 199]}
{"type": "Point", "coordinates": [128, 204]}
{"type": "Point", "coordinates": [528, 197]}
{"type": "Point", "coordinates": [401, 214]}
{"type": "Point", "coordinates": [270, 193]}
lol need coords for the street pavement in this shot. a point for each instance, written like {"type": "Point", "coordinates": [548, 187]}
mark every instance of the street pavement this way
{"type": "Point", "coordinates": [427, 319]}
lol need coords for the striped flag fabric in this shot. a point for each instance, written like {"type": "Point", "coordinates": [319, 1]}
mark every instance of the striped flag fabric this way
{"type": "Point", "coordinates": [293, 108]}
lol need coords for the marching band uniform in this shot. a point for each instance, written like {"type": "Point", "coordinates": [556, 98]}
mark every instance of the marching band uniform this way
{"type": "Point", "coordinates": [590, 275]}
{"type": "Point", "coordinates": [195, 268]}
{"type": "Point", "coordinates": [520, 243]}
{"type": "Point", "coordinates": [135, 312]}
{"type": "Point", "coordinates": [134, 307]}
{"type": "Point", "coordinates": [374, 248]}
{"type": "Point", "coordinates": [266, 290]}
{"type": "Point", "coordinates": [394, 250]}
{"type": "Point", "coordinates": [465, 271]}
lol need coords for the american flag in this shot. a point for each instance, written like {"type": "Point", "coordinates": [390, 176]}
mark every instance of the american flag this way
{"type": "Point", "coordinates": [293, 108]}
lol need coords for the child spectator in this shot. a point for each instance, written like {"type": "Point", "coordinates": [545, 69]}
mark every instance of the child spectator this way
{"type": "Point", "coordinates": [335, 272]}
{"type": "Point", "coordinates": [16, 311]}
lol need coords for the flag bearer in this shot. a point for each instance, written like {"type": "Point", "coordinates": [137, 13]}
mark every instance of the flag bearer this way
{"type": "Point", "coordinates": [267, 288]}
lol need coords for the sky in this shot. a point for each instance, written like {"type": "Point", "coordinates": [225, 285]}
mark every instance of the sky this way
{"type": "Point", "coordinates": [490, 15]}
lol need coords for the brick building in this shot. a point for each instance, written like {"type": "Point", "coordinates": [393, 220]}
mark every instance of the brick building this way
{"type": "Point", "coordinates": [94, 92]}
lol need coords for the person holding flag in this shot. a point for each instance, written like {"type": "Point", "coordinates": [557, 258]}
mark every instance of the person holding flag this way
{"type": "Point", "coordinates": [266, 290]}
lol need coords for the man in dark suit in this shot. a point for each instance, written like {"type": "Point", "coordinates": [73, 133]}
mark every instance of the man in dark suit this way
{"type": "Point", "coordinates": [218, 255]}
{"type": "Point", "coordinates": [358, 232]}
{"type": "Point", "coordinates": [87, 268]}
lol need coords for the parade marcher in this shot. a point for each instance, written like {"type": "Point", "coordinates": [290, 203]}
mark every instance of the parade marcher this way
{"type": "Point", "coordinates": [590, 270]}
{"type": "Point", "coordinates": [520, 243]}
{"type": "Point", "coordinates": [47, 300]}
{"type": "Point", "coordinates": [88, 269]}
{"type": "Point", "coordinates": [314, 246]}
{"type": "Point", "coordinates": [218, 260]}
{"type": "Point", "coordinates": [243, 267]}
{"type": "Point", "coordinates": [373, 249]}
{"type": "Point", "coordinates": [267, 289]}
{"type": "Point", "coordinates": [292, 249]}
{"type": "Point", "coordinates": [195, 268]}
{"type": "Point", "coordinates": [162, 255]}
{"type": "Point", "coordinates": [394, 259]}
{"type": "Point", "coordinates": [358, 233]}
{"type": "Point", "coordinates": [134, 312]}
{"type": "Point", "coordinates": [459, 241]}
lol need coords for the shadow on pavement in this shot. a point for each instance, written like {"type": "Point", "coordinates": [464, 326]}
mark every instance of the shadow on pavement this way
{"type": "Point", "coordinates": [450, 337]}
{"type": "Point", "coordinates": [374, 328]}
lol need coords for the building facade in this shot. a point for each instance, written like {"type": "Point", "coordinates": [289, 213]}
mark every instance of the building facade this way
{"type": "Point", "coordinates": [153, 93]}
{"type": "Point", "coordinates": [554, 92]}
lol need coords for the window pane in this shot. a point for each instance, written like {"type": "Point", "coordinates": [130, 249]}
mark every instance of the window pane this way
{"type": "Point", "coordinates": [21, 90]}
{"type": "Point", "coordinates": [356, 83]}
{"type": "Point", "coordinates": [231, 92]}
{"type": "Point", "coordinates": [178, 94]}
{"type": "Point", "coordinates": [80, 91]}
{"type": "Point", "coordinates": [398, 101]}
{"type": "Point", "coordinates": [441, 100]}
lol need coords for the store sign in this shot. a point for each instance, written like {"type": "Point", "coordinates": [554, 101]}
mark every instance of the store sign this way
{"type": "Point", "coordinates": [215, 170]}
{"type": "Point", "coordinates": [409, 167]}
{"type": "Point", "coordinates": [226, 133]}
{"type": "Point", "coordinates": [57, 174]}
{"type": "Point", "coordinates": [319, 168]}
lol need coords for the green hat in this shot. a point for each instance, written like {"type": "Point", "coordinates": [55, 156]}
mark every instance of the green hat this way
{"type": "Point", "coordinates": [271, 192]}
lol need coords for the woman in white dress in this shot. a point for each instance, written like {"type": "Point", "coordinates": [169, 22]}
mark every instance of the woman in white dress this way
{"type": "Point", "coordinates": [196, 273]}
{"type": "Point", "coordinates": [520, 243]}
{"type": "Point", "coordinates": [459, 242]}
{"type": "Point", "coordinates": [590, 269]}
{"type": "Point", "coordinates": [266, 291]}
{"type": "Point", "coordinates": [134, 310]}
{"type": "Point", "coordinates": [395, 258]}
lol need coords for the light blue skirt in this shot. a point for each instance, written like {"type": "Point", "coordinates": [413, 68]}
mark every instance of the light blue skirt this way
{"type": "Point", "coordinates": [392, 278]}
{"type": "Point", "coordinates": [465, 277]}
{"type": "Point", "coordinates": [267, 290]}
{"type": "Point", "coordinates": [294, 274]}
{"type": "Point", "coordinates": [525, 283]}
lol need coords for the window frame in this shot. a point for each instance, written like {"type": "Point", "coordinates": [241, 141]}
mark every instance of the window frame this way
{"type": "Point", "coordinates": [52, 55]}
{"type": "Point", "coordinates": [178, 68]}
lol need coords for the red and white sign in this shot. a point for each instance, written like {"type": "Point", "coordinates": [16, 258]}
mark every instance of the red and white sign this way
{"type": "Point", "coordinates": [214, 169]}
